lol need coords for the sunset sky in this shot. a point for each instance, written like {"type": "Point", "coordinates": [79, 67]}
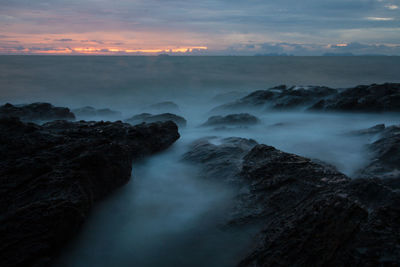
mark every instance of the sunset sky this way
{"type": "Point", "coordinates": [218, 27]}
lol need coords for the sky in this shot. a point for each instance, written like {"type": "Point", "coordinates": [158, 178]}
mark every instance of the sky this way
{"type": "Point", "coordinates": [188, 27]}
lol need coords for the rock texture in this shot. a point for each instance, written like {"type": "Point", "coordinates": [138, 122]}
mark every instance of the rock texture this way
{"type": "Point", "coordinates": [384, 153]}
{"type": "Point", "coordinates": [312, 215]}
{"type": "Point", "coordinates": [366, 98]}
{"type": "Point", "coordinates": [242, 119]}
{"type": "Point", "coordinates": [221, 160]}
{"type": "Point", "coordinates": [362, 98]}
{"type": "Point", "coordinates": [36, 112]}
{"type": "Point", "coordinates": [280, 97]}
{"type": "Point", "coordinates": [92, 113]}
{"type": "Point", "coordinates": [51, 175]}
{"type": "Point", "coordinates": [147, 117]}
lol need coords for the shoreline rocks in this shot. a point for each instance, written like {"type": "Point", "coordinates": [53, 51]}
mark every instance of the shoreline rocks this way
{"type": "Point", "coordinates": [311, 214]}
{"type": "Point", "coordinates": [384, 153]}
{"type": "Point", "coordinates": [148, 118]}
{"type": "Point", "coordinates": [52, 175]}
{"type": "Point", "coordinates": [241, 119]}
{"type": "Point", "coordinates": [36, 112]}
{"type": "Point", "coordinates": [91, 112]}
{"type": "Point", "coordinates": [362, 98]}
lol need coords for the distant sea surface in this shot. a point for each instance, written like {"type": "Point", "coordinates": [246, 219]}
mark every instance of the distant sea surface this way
{"type": "Point", "coordinates": [127, 80]}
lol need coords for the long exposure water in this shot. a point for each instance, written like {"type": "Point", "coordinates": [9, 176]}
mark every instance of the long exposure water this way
{"type": "Point", "coordinates": [167, 215]}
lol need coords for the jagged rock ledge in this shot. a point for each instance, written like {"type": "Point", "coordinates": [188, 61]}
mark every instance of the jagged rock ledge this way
{"type": "Point", "coordinates": [51, 176]}
{"type": "Point", "coordinates": [311, 214]}
{"type": "Point", "coordinates": [362, 98]}
{"type": "Point", "coordinates": [36, 112]}
{"type": "Point", "coordinates": [148, 118]}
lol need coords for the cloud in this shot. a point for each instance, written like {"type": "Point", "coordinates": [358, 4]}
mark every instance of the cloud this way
{"type": "Point", "coordinates": [63, 40]}
{"type": "Point", "coordinates": [379, 19]}
{"type": "Point", "coordinates": [392, 7]}
{"type": "Point", "coordinates": [218, 24]}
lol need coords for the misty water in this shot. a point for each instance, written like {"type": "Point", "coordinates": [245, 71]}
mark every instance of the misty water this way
{"type": "Point", "coordinates": [168, 215]}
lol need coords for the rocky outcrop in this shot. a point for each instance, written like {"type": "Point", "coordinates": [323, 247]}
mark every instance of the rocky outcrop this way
{"type": "Point", "coordinates": [36, 112]}
{"type": "Point", "coordinates": [93, 113]}
{"type": "Point", "coordinates": [242, 119]}
{"type": "Point", "coordinates": [362, 98]}
{"type": "Point", "coordinates": [365, 98]}
{"type": "Point", "coordinates": [311, 214]}
{"type": "Point", "coordinates": [51, 176]}
{"type": "Point", "coordinates": [280, 97]}
{"type": "Point", "coordinates": [147, 117]}
{"type": "Point", "coordinates": [221, 160]}
{"type": "Point", "coordinates": [384, 154]}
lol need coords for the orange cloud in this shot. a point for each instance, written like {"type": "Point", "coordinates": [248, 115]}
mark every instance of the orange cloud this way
{"type": "Point", "coordinates": [99, 44]}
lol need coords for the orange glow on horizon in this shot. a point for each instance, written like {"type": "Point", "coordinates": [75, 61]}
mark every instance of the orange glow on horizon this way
{"type": "Point", "coordinates": [104, 50]}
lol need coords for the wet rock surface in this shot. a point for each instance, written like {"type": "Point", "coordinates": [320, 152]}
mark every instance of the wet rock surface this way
{"type": "Point", "coordinates": [311, 214]}
{"type": "Point", "coordinates": [91, 112]}
{"type": "Point", "coordinates": [241, 119]}
{"type": "Point", "coordinates": [280, 97]}
{"type": "Point", "coordinates": [36, 112]}
{"type": "Point", "coordinates": [365, 98]}
{"type": "Point", "coordinates": [362, 98]}
{"type": "Point", "coordinates": [384, 153]}
{"type": "Point", "coordinates": [51, 176]}
{"type": "Point", "coordinates": [147, 117]}
{"type": "Point", "coordinates": [220, 160]}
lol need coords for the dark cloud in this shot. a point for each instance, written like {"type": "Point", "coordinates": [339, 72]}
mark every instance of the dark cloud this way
{"type": "Point", "coordinates": [63, 40]}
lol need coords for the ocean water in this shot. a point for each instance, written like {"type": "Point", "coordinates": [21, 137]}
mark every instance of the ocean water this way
{"type": "Point", "coordinates": [168, 215]}
{"type": "Point", "coordinates": [125, 81]}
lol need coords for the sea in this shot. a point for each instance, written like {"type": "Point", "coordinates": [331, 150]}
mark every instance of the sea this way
{"type": "Point", "coordinates": [168, 214]}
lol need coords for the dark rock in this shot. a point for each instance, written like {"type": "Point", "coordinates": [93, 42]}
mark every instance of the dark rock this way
{"type": "Point", "coordinates": [91, 112]}
{"type": "Point", "coordinates": [312, 215]}
{"type": "Point", "coordinates": [365, 98]}
{"type": "Point", "coordinates": [222, 160]}
{"type": "Point", "coordinates": [384, 155]}
{"type": "Point", "coordinates": [362, 98]}
{"type": "Point", "coordinates": [51, 176]}
{"type": "Point", "coordinates": [280, 97]}
{"type": "Point", "coordinates": [166, 106]}
{"type": "Point", "coordinates": [147, 117]}
{"type": "Point", "coordinates": [36, 112]}
{"type": "Point", "coordinates": [232, 119]}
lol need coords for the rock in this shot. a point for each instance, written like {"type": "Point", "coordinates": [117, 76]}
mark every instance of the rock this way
{"type": "Point", "coordinates": [311, 214]}
{"type": "Point", "coordinates": [365, 98]}
{"type": "Point", "coordinates": [384, 155]}
{"type": "Point", "coordinates": [166, 106]}
{"type": "Point", "coordinates": [52, 175]}
{"type": "Point", "coordinates": [232, 119]}
{"type": "Point", "coordinates": [280, 97]}
{"type": "Point", "coordinates": [362, 98]}
{"type": "Point", "coordinates": [222, 160]}
{"type": "Point", "coordinates": [92, 113]}
{"type": "Point", "coordinates": [147, 117]}
{"type": "Point", "coordinates": [36, 112]}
